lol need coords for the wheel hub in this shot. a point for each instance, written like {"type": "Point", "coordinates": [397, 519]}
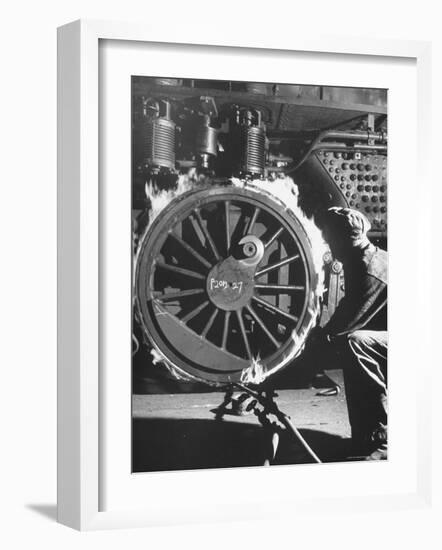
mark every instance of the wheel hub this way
{"type": "Point", "coordinates": [230, 283]}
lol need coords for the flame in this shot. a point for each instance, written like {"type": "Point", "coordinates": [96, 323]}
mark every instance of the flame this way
{"type": "Point", "coordinates": [254, 374]}
{"type": "Point", "coordinates": [160, 198]}
{"type": "Point", "coordinates": [177, 374]}
{"type": "Point", "coordinates": [157, 357]}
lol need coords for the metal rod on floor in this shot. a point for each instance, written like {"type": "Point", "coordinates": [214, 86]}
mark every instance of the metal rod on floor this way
{"type": "Point", "coordinates": [272, 408]}
{"type": "Point", "coordinates": [292, 428]}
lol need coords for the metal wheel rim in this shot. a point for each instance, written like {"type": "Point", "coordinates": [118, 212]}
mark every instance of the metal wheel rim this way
{"type": "Point", "coordinates": [153, 241]}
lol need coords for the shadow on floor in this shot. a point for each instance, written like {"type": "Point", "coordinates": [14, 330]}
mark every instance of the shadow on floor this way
{"type": "Point", "coordinates": [328, 447]}
{"type": "Point", "coordinates": [161, 444]}
{"type": "Point", "coordinates": [49, 511]}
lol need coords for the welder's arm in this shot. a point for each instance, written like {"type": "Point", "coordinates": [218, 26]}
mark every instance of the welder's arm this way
{"type": "Point", "coordinates": [357, 309]}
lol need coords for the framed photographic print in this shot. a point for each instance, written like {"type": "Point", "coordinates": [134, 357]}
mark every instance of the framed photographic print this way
{"type": "Point", "coordinates": [228, 220]}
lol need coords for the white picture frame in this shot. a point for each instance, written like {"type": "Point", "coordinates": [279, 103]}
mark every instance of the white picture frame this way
{"type": "Point", "coordinates": [79, 270]}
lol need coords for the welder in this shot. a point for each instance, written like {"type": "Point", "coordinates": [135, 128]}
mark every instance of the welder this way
{"type": "Point", "coordinates": [357, 331]}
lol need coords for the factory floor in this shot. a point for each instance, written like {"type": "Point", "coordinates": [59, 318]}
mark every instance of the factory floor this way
{"type": "Point", "coordinates": [174, 427]}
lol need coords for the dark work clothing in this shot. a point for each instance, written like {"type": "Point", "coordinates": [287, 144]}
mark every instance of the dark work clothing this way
{"type": "Point", "coordinates": [365, 377]}
{"type": "Point", "coordinates": [359, 330]}
{"type": "Point", "coordinates": [364, 305]}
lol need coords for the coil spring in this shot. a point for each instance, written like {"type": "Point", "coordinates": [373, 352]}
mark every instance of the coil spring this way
{"type": "Point", "coordinates": [160, 143]}
{"type": "Point", "coordinates": [253, 150]}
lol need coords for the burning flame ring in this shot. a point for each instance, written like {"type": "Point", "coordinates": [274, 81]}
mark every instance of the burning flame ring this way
{"type": "Point", "coordinates": [281, 196]}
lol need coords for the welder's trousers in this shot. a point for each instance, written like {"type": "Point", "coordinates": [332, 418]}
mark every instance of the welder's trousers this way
{"type": "Point", "coordinates": [365, 378]}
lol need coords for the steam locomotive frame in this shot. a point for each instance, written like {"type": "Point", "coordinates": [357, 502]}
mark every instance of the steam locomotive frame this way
{"type": "Point", "coordinates": [221, 296]}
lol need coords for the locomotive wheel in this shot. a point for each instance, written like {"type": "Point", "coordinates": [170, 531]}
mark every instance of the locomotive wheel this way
{"type": "Point", "coordinates": [224, 276]}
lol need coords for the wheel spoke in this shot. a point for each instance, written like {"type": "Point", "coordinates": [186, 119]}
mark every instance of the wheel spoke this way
{"type": "Point", "coordinates": [279, 264]}
{"type": "Point", "coordinates": [262, 325]}
{"type": "Point", "coordinates": [243, 332]}
{"type": "Point", "coordinates": [209, 323]}
{"type": "Point", "coordinates": [197, 230]}
{"type": "Point", "coordinates": [180, 294]}
{"type": "Point", "coordinates": [279, 288]}
{"type": "Point", "coordinates": [273, 237]}
{"type": "Point", "coordinates": [194, 312]}
{"type": "Point", "coordinates": [225, 329]}
{"type": "Point", "coordinates": [207, 234]}
{"type": "Point", "coordinates": [275, 309]}
{"type": "Point", "coordinates": [181, 270]}
{"type": "Point", "coordinates": [191, 250]}
{"type": "Point", "coordinates": [240, 226]}
{"type": "Point", "coordinates": [227, 211]}
{"type": "Point", "coordinates": [253, 220]}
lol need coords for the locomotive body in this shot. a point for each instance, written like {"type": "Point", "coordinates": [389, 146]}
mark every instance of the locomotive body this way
{"type": "Point", "coordinates": [230, 270]}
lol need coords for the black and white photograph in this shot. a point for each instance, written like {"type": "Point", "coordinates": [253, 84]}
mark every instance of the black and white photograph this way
{"type": "Point", "coordinates": [220, 302]}
{"type": "Point", "coordinates": [259, 234]}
